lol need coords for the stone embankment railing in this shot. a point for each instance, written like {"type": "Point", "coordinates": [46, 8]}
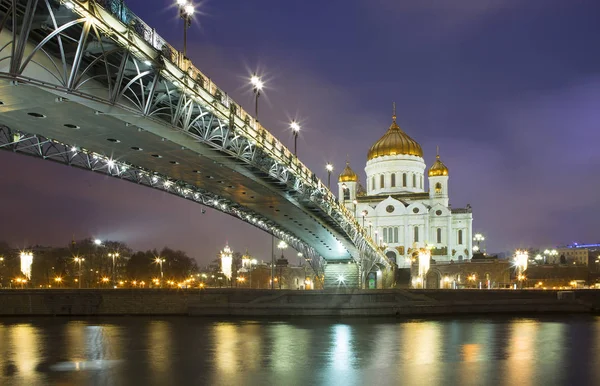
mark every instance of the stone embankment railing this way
{"type": "Point", "coordinates": [249, 303]}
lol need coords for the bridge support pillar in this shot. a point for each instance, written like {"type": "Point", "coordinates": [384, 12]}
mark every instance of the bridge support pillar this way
{"type": "Point", "coordinates": [341, 275]}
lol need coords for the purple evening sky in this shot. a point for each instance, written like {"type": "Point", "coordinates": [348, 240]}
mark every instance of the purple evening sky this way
{"type": "Point", "coordinates": [508, 89]}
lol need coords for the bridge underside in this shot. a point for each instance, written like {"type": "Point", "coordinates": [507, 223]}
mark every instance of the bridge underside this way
{"type": "Point", "coordinates": [207, 169]}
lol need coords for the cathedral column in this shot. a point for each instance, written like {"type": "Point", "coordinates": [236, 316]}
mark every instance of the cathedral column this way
{"type": "Point", "coordinates": [407, 243]}
{"type": "Point", "coordinates": [427, 230]}
{"type": "Point", "coordinates": [449, 242]}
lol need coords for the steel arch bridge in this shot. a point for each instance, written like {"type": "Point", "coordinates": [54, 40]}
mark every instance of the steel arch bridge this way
{"type": "Point", "coordinates": [89, 84]}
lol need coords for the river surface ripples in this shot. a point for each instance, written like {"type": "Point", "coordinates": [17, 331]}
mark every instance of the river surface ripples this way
{"type": "Point", "coordinates": [319, 351]}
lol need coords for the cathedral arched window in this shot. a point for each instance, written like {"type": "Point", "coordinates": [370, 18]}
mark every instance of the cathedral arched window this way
{"type": "Point", "coordinates": [421, 184]}
{"type": "Point", "coordinates": [460, 237]}
{"type": "Point", "coordinates": [416, 235]}
{"type": "Point", "coordinates": [396, 234]}
{"type": "Point", "coordinates": [414, 180]}
{"type": "Point", "coordinates": [438, 187]}
{"type": "Point", "coordinates": [404, 179]}
{"type": "Point", "coordinates": [439, 235]}
{"type": "Point", "coordinates": [373, 183]}
{"type": "Point", "coordinates": [382, 181]}
{"type": "Point", "coordinates": [346, 194]}
{"type": "Point", "coordinates": [393, 180]}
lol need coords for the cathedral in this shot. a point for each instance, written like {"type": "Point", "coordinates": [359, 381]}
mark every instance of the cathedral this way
{"type": "Point", "coordinates": [397, 210]}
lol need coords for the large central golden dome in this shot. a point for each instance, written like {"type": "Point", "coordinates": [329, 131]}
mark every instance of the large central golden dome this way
{"type": "Point", "coordinates": [394, 142]}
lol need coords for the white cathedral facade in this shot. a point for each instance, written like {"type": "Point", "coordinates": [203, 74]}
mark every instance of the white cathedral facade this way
{"type": "Point", "coordinates": [399, 213]}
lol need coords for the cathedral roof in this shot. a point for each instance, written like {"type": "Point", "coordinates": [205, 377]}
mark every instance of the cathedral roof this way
{"type": "Point", "coordinates": [348, 174]}
{"type": "Point", "coordinates": [438, 168]}
{"type": "Point", "coordinates": [394, 142]}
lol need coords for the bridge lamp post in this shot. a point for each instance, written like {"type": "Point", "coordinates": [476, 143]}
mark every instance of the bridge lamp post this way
{"type": "Point", "coordinates": [355, 202]}
{"type": "Point", "coordinates": [186, 11]}
{"type": "Point", "coordinates": [113, 256]}
{"type": "Point", "coordinates": [257, 85]}
{"type": "Point", "coordinates": [160, 261]}
{"type": "Point", "coordinates": [282, 245]}
{"type": "Point", "coordinates": [295, 130]}
{"type": "Point", "coordinates": [329, 168]}
{"type": "Point", "coordinates": [79, 261]}
{"type": "Point", "coordinates": [363, 214]}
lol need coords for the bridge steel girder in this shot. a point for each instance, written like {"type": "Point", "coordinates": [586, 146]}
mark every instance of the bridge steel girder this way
{"type": "Point", "coordinates": [104, 56]}
{"type": "Point", "coordinates": [51, 150]}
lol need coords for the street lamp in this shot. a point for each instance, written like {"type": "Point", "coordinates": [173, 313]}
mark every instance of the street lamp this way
{"type": "Point", "coordinates": [160, 261]}
{"type": "Point", "coordinates": [113, 255]}
{"type": "Point", "coordinates": [521, 260]}
{"type": "Point", "coordinates": [355, 202]}
{"type": "Point", "coordinates": [478, 238]}
{"type": "Point", "coordinates": [186, 11]}
{"type": "Point", "coordinates": [257, 84]}
{"type": "Point", "coordinates": [79, 260]}
{"type": "Point", "coordinates": [363, 214]}
{"type": "Point", "coordinates": [329, 168]}
{"type": "Point", "coordinates": [553, 253]}
{"type": "Point", "coordinates": [295, 130]}
{"type": "Point", "coordinates": [282, 245]}
{"type": "Point", "coordinates": [98, 242]}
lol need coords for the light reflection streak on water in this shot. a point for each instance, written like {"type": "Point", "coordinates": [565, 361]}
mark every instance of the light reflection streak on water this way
{"type": "Point", "coordinates": [225, 348]}
{"type": "Point", "coordinates": [159, 350]}
{"type": "Point", "coordinates": [76, 347]}
{"type": "Point", "coordinates": [342, 356]}
{"type": "Point", "coordinates": [251, 346]}
{"type": "Point", "coordinates": [476, 352]}
{"type": "Point", "coordinates": [287, 340]}
{"type": "Point", "coordinates": [420, 346]}
{"type": "Point", "coordinates": [384, 351]}
{"type": "Point", "coordinates": [521, 352]}
{"type": "Point", "coordinates": [26, 350]}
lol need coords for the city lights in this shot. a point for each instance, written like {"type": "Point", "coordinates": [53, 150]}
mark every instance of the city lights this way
{"type": "Point", "coordinates": [521, 260]}
{"type": "Point", "coordinates": [26, 262]}
{"type": "Point", "coordinates": [226, 262]}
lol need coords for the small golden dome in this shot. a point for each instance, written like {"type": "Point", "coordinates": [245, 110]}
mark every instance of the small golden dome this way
{"type": "Point", "coordinates": [348, 174]}
{"type": "Point", "coordinates": [394, 142]}
{"type": "Point", "coordinates": [438, 168]}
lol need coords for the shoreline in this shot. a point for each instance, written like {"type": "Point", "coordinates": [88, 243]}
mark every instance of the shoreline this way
{"type": "Point", "coordinates": [288, 303]}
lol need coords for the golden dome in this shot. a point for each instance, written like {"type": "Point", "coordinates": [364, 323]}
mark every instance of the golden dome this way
{"type": "Point", "coordinates": [348, 174]}
{"type": "Point", "coordinates": [438, 168]}
{"type": "Point", "coordinates": [394, 142]}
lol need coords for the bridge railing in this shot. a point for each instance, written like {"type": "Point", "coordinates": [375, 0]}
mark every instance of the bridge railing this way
{"type": "Point", "coordinates": [246, 124]}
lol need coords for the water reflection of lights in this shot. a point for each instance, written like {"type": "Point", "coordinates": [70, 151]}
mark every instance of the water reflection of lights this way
{"type": "Point", "coordinates": [522, 349]}
{"type": "Point", "coordinates": [225, 348]}
{"type": "Point", "coordinates": [159, 350]}
{"type": "Point", "coordinates": [420, 348]}
{"type": "Point", "coordinates": [24, 341]}
{"type": "Point", "coordinates": [343, 356]}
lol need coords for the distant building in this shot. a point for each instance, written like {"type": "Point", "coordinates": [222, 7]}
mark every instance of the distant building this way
{"type": "Point", "coordinates": [476, 273]}
{"type": "Point", "coordinates": [578, 256]}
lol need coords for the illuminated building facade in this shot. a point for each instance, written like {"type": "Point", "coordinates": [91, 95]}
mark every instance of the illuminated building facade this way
{"type": "Point", "coordinates": [397, 210]}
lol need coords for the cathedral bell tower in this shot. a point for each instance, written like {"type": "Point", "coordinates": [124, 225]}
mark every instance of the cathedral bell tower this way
{"type": "Point", "coordinates": [348, 187]}
{"type": "Point", "coordinates": [438, 182]}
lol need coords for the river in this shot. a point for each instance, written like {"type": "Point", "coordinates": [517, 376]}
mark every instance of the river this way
{"type": "Point", "coordinates": [320, 351]}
